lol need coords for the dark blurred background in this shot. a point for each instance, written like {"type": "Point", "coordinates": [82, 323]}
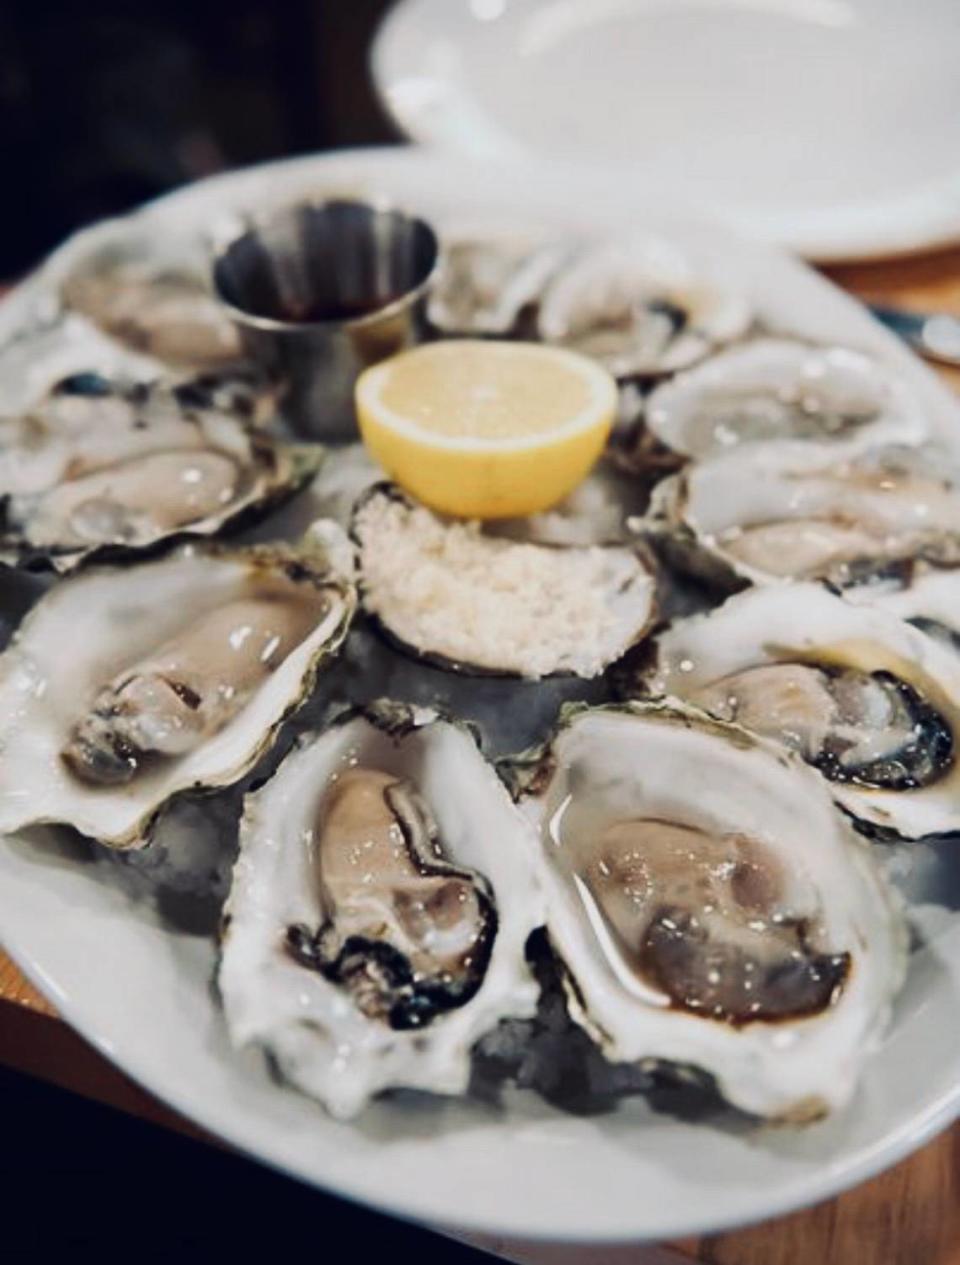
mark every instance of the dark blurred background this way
{"type": "Point", "coordinates": [81, 1182]}
{"type": "Point", "coordinates": [103, 105]}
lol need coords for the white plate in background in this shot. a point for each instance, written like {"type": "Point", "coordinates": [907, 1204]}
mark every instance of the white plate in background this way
{"type": "Point", "coordinates": [141, 992]}
{"type": "Point", "coordinates": [831, 127]}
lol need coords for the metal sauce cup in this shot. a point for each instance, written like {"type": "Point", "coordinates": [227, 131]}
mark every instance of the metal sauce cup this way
{"type": "Point", "coordinates": [318, 292]}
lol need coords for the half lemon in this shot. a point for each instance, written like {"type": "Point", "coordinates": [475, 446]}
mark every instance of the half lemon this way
{"type": "Point", "coordinates": [484, 429]}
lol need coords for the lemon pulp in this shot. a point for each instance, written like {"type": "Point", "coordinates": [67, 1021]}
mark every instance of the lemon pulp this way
{"type": "Point", "coordinates": [486, 429]}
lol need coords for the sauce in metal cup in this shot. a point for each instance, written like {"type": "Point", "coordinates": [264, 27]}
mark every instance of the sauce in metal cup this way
{"type": "Point", "coordinates": [319, 291]}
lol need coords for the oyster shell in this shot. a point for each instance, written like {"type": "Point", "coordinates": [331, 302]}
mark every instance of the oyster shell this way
{"type": "Point", "coordinates": [380, 908]}
{"type": "Point", "coordinates": [52, 345]}
{"type": "Point", "coordinates": [868, 700]}
{"type": "Point", "coordinates": [179, 675]}
{"type": "Point", "coordinates": [455, 597]}
{"type": "Point", "coordinates": [102, 466]}
{"type": "Point", "coordinates": [922, 593]}
{"type": "Point", "coordinates": [156, 303]}
{"type": "Point", "coordinates": [779, 511]}
{"type": "Point", "coordinates": [741, 930]}
{"type": "Point", "coordinates": [488, 277]}
{"type": "Point", "coordinates": [641, 308]}
{"type": "Point", "coordinates": [780, 389]}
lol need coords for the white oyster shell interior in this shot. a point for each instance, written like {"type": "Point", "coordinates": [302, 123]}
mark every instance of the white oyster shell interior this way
{"type": "Point", "coordinates": [111, 463]}
{"type": "Point", "coordinates": [488, 274]}
{"type": "Point", "coordinates": [162, 650]}
{"type": "Point", "coordinates": [154, 303]}
{"type": "Point", "coordinates": [776, 389]}
{"type": "Point", "coordinates": [785, 511]}
{"type": "Point", "coordinates": [740, 837]}
{"type": "Point", "coordinates": [722, 661]}
{"type": "Point", "coordinates": [926, 595]}
{"type": "Point", "coordinates": [642, 307]}
{"type": "Point", "coordinates": [314, 1028]}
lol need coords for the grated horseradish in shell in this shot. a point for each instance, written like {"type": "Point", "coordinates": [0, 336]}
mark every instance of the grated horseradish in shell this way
{"type": "Point", "coordinates": [447, 590]}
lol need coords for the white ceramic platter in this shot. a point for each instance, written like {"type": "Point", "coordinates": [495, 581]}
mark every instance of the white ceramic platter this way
{"type": "Point", "coordinates": [141, 992]}
{"type": "Point", "coordinates": [829, 126]}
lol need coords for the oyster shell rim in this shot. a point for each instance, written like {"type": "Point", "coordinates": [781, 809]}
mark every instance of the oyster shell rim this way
{"type": "Point", "coordinates": [732, 308]}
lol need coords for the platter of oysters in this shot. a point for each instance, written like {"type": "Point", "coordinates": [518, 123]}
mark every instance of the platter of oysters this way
{"type": "Point", "coordinates": [591, 872]}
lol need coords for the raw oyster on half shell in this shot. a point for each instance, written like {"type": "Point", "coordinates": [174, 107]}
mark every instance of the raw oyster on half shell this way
{"type": "Point", "coordinates": [453, 596]}
{"type": "Point", "coordinates": [102, 466]}
{"type": "Point", "coordinates": [178, 676]}
{"type": "Point", "coordinates": [156, 302]}
{"type": "Point", "coordinates": [712, 910]}
{"type": "Point", "coordinates": [764, 513]}
{"type": "Point", "coordinates": [641, 308]}
{"type": "Point", "coordinates": [772, 389]}
{"type": "Point", "coordinates": [380, 907]}
{"type": "Point", "coordinates": [870, 701]}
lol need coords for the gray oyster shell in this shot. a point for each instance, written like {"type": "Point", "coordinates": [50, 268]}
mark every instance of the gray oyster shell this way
{"type": "Point", "coordinates": [641, 307]}
{"type": "Point", "coordinates": [766, 513]}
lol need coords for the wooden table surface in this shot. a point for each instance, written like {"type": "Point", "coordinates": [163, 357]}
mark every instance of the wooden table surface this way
{"type": "Point", "coordinates": [910, 1215]}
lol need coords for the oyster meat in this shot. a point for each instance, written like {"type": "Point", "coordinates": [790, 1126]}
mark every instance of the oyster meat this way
{"type": "Point", "coordinates": [641, 308]}
{"type": "Point", "coordinates": [779, 389]}
{"type": "Point", "coordinates": [454, 596]}
{"type": "Point", "coordinates": [770, 512]}
{"type": "Point", "coordinates": [868, 700]}
{"type": "Point", "coordinates": [101, 465]}
{"type": "Point", "coordinates": [380, 907]}
{"type": "Point", "coordinates": [741, 931]}
{"type": "Point", "coordinates": [160, 306]}
{"type": "Point", "coordinates": [179, 675]}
